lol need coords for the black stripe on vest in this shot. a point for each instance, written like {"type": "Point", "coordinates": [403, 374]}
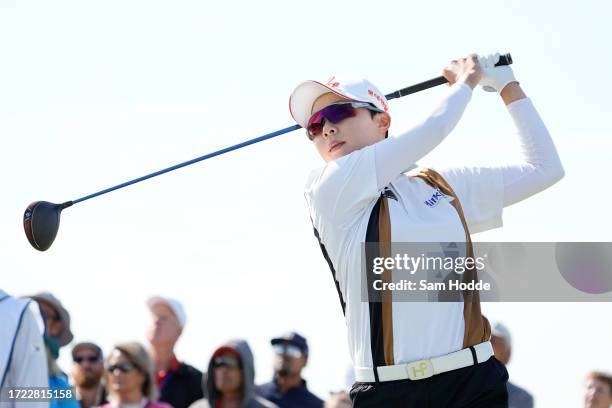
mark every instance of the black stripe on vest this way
{"type": "Point", "coordinates": [333, 271]}
{"type": "Point", "coordinates": [376, 324]}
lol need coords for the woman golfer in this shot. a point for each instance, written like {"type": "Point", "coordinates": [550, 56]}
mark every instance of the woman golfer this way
{"type": "Point", "coordinates": [414, 354]}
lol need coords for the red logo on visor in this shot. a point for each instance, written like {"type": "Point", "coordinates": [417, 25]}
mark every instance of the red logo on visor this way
{"type": "Point", "coordinates": [379, 99]}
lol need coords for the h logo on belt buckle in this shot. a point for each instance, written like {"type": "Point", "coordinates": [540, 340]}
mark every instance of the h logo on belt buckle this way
{"type": "Point", "coordinates": [419, 370]}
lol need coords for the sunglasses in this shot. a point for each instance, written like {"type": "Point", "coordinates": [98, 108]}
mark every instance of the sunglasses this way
{"type": "Point", "coordinates": [122, 367]}
{"type": "Point", "coordinates": [89, 359]}
{"type": "Point", "coordinates": [335, 113]}
{"type": "Point", "coordinates": [226, 361]}
{"type": "Point", "coordinates": [288, 350]}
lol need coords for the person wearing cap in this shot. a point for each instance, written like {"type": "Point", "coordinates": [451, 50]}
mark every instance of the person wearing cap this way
{"type": "Point", "coordinates": [129, 378]}
{"type": "Point", "coordinates": [229, 381]}
{"type": "Point", "coordinates": [179, 383]}
{"type": "Point", "coordinates": [87, 374]}
{"type": "Point", "coordinates": [288, 388]}
{"type": "Point", "coordinates": [502, 347]}
{"type": "Point", "coordinates": [57, 334]}
{"type": "Point", "coordinates": [598, 390]}
{"type": "Point", "coordinates": [369, 190]}
{"type": "Point", "coordinates": [23, 361]}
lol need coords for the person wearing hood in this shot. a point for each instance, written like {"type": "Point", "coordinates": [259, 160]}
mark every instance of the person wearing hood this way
{"type": "Point", "coordinates": [57, 334]}
{"type": "Point", "coordinates": [229, 381]}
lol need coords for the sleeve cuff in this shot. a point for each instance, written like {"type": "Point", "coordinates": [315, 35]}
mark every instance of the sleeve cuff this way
{"type": "Point", "coordinates": [520, 104]}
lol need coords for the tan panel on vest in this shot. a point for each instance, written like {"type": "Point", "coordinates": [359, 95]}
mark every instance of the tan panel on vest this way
{"type": "Point", "coordinates": [477, 327]}
{"type": "Point", "coordinates": [384, 238]}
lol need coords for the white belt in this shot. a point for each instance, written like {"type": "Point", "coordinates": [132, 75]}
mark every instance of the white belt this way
{"type": "Point", "coordinates": [418, 370]}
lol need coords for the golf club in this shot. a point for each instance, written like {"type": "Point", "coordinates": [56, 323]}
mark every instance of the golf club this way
{"type": "Point", "coordinates": [41, 219]}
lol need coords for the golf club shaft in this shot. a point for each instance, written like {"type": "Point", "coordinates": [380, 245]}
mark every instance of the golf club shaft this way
{"type": "Point", "coordinates": [187, 163]}
{"type": "Point", "coordinates": [504, 60]}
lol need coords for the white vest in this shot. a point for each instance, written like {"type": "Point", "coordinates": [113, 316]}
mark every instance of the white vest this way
{"type": "Point", "coordinates": [12, 311]}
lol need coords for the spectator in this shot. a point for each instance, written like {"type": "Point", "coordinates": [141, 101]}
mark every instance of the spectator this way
{"type": "Point", "coordinates": [598, 390]}
{"type": "Point", "coordinates": [57, 335]}
{"type": "Point", "coordinates": [130, 382]}
{"type": "Point", "coordinates": [288, 388]}
{"type": "Point", "coordinates": [338, 400]}
{"type": "Point", "coordinates": [180, 384]}
{"type": "Point", "coordinates": [502, 347]}
{"type": "Point", "coordinates": [87, 373]}
{"type": "Point", "coordinates": [23, 361]}
{"type": "Point", "coordinates": [230, 379]}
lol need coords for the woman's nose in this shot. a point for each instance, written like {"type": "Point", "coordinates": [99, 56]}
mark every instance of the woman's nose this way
{"type": "Point", "coordinates": [329, 129]}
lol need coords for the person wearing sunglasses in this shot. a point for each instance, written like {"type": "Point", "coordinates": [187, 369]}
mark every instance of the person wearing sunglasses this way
{"type": "Point", "coordinates": [229, 382]}
{"type": "Point", "coordinates": [370, 190]}
{"type": "Point", "coordinates": [288, 388]}
{"type": "Point", "coordinates": [87, 374]}
{"type": "Point", "coordinates": [129, 378]}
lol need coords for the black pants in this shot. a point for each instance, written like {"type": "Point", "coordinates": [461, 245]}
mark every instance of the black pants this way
{"type": "Point", "coordinates": [478, 386]}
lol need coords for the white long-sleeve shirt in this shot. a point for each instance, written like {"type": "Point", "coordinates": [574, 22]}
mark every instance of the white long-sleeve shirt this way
{"type": "Point", "coordinates": [343, 194]}
{"type": "Point", "coordinates": [23, 359]}
{"type": "Point", "coordinates": [539, 169]}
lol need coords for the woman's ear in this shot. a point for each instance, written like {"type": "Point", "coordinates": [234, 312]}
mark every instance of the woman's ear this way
{"type": "Point", "coordinates": [383, 121]}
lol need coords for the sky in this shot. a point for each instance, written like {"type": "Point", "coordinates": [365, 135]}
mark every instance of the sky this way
{"type": "Point", "coordinates": [96, 93]}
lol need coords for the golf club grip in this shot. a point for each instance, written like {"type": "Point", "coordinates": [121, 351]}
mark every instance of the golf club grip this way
{"type": "Point", "coordinates": [505, 59]}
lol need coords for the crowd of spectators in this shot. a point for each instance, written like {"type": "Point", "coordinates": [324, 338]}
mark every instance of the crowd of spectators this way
{"type": "Point", "coordinates": [132, 375]}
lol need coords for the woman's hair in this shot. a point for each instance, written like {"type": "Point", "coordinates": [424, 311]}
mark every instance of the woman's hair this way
{"type": "Point", "coordinates": [138, 356]}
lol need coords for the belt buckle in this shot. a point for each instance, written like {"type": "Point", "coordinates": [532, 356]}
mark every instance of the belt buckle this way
{"type": "Point", "coordinates": [418, 370]}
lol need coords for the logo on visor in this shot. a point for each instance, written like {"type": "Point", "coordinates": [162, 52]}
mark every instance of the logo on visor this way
{"type": "Point", "coordinates": [379, 99]}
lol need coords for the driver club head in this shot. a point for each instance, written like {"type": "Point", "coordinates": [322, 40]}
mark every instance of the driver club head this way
{"type": "Point", "coordinates": [41, 222]}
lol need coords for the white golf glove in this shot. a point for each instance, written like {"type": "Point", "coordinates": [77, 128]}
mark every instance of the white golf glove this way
{"type": "Point", "coordinates": [494, 79]}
